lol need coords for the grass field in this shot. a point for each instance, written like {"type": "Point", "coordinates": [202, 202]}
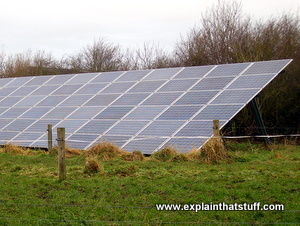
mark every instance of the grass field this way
{"type": "Point", "coordinates": [126, 193]}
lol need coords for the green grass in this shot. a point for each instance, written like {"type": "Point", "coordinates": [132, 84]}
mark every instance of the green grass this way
{"type": "Point", "coordinates": [128, 191]}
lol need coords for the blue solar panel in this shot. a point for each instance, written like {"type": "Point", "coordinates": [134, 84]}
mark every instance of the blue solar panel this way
{"type": "Point", "coordinates": [145, 112]}
{"type": "Point", "coordinates": [162, 98]}
{"type": "Point", "coordinates": [138, 110]}
{"type": "Point", "coordinates": [13, 112]}
{"type": "Point", "coordinates": [96, 126]}
{"type": "Point", "coordinates": [113, 112]}
{"type": "Point", "coordinates": [161, 128]}
{"type": "Point", "coordinates": [147, 86]}
{"type": "Point", "coordinates": [179, 113]}
{"type": "Point", "coordinates": [102, 100]}
{"type": "Point", "coordinates": [127, 127]}
{"type": "Point", "coordinates": [196, 98]}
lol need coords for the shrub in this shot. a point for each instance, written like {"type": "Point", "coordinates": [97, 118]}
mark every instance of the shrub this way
{"type": "Point", "coordinates": [92, 166]}
{"type": "Point", "coordinates": [180, 158]}
{"type": "Point", "coordinates": [134, 156]}
{"type": "Point", "coordinates": [165, 154]}
{"type": "Point", "coordinates": [105, 151]}
{"type": "Point", "coordinates": [213, 151]}
{"type": "Point", "coordinates": [15, 150]}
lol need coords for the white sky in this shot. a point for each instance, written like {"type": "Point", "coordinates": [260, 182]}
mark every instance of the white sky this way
{"type": "Point", "coordinates": [65, 26]}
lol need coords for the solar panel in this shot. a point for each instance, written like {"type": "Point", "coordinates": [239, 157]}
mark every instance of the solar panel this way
{"type": "Point", "coordinates": [138, 110]}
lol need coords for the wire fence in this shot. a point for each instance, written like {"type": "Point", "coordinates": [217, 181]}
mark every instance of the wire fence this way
{"type": "Point", "coordinates": [154, 137]}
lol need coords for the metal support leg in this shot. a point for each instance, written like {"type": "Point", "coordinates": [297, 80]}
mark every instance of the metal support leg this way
{"type": "Point", "coordinates": [259, 121]}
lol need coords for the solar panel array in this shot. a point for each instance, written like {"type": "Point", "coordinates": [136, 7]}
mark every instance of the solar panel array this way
{"type": "Point", "coordinates": [137, 110]}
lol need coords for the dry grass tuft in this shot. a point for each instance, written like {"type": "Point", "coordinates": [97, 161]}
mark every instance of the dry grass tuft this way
{"type": "Point", "coordinates": [106, 151]}
{"type": "Point", "coordinates": [193, 155]}
{"type": "Point", "coordinates": [92, 166]}
{"type": "Point", "coordinates": [165, 154]}
{"type": "Point", "coordinates": [16, 150]}
{"type": "Point", "coordinates": [278, 155]}
{"type": "Point", "coordinates": [70, 152]}
{"type": "Point", "coordinates": [180, 158]}
{"type": "Point", "coordinates": [213, 151]}
{"type": "Point", "coordinates": [134, 156]}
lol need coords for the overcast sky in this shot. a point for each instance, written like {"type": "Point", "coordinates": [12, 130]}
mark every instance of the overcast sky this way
{"type": "Point", "coordinates": [65, 26]}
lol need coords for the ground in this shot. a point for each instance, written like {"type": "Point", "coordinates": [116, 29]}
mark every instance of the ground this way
{"type": "Point", "coordinates": [127, 191]}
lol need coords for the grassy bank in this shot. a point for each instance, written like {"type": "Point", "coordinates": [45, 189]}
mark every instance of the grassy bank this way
{"type": "Point", "coordinates": [127, 191]}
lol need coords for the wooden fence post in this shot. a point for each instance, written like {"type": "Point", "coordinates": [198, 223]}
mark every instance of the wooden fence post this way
{"type": "Point", "coordinates": [61, 154]}
{"type": "Point", "coordinates": [50, 144]}
{"type": "Point", "coordinates": [216, 128]}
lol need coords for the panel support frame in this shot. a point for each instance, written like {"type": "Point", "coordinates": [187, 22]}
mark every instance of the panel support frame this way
{"type": "Point", "coordinates": [254, 106]}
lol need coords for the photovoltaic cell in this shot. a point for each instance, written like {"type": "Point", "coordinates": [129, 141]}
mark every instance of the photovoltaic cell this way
{"type": "Point", "coordinates": [196, 98]}
{"type": "Point", "coordinates": [161, 128]}
{"type": "Point", "coordinates": [9, 101]}
{"type": "Point", "coordinates": [29, 101]}
{"type": "Point", "coordinates": [96, 126]}
{"type": "Point", "coordinates": [82, 78]}
{"type": "Point", "coordinates": [6, 91]}
{"type": "Point", "coordinates": [13, 112]}
{"type": "Point", "coordinates": [144, 144]}
{"type": "Point", "coordinates": [235, 96]}
{"type": "Point", "coordinates": [131, 99]}
{"type": "Point", "coordinates": [213, 83]}
{"type": "Point", "coordinates": [76, 100]}
{"type": "Point", "coordinates": [145, 112]}
{"type": "Point", "coordinates": [265, 67]}
{"type": "Point", "coordinates": [71, 125]}
{"type": "Point", "coordinates": [107, 76]}
{"type": "Point", "coordinates": [162, 98]}
{"type": "Point", "coordinates": [25, 139]}
{"type": "Point", "coordinates": [85, 112]}
{"type": "Point", "coordinates": [138, 110]}
{"type": "Point", "coordinates": [41, 125]}
{"type": "Point", "coordinates": [253, 81]}
{"type": "Point", "coordinates": [197, 128]}
{"type": "Point", "coordinates": [193, 72]}
{"type": "Point", "coordinates": [6, 81]}
{"type": "Point", "coordinates": [37, 81]}
{"type": "Point", "coordinates": [44, 90]}
{"type": "Point", "coordinates": [133, 75]}
{"type": "Point", "coordinates": [147, 86]}
{"type": "Point", "coordinates": [59, 79]}
{"type": "Point", "coordinates": [102, 100]}
{"type": "Point", "coordinates": [81, 141]}
{"type": "Point", "coordinates": [67, 89]}
{"type": "Point", "coordinates": [59, 113]}
{"type": "Point", "coordinates": [19, 125]}
{"type": "Point", "coordinates": [6, 136]}
{"type": "Point", "coordinates": [117, 140]}
{"type": "Point", "coordinates": [23, 91]}
{"type": "Point", "coordinates": [228, 70]}
{"type": "Point", "coordinates": [118, 87]}
{"type": "Point", "coordinates": [3, 110]}
{"type": "Point", "coordinates": [164, 73]}
{"type": "Point", "coordinates": [4, 122]}
{"type": "Point", "coordinates": [185, 144]}
{"type": "Point", "coordinates": [113, 113]}
{"type": "Point", "coordinates": [91, 88]}
{"type": "Point", "coordinates": [19, 81]}
{"type": "Point", "coordinates": [178, 85]}
{"type": "Point", "coordinates": [219, 112]}
{"type": "Point", "coordinates": [36, 112]}
{"type": "Point", "coordinates": [179, 113]}
{"type": "Point", "coordinates": [127, 127]}
{"type": "Point", "coordinates": [51, 101]}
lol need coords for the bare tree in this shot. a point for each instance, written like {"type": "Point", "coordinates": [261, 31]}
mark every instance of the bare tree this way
{"type": "Point", "coordinates": [152, 56]}
{"type": "Point", "coordinates": [222, 35]}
